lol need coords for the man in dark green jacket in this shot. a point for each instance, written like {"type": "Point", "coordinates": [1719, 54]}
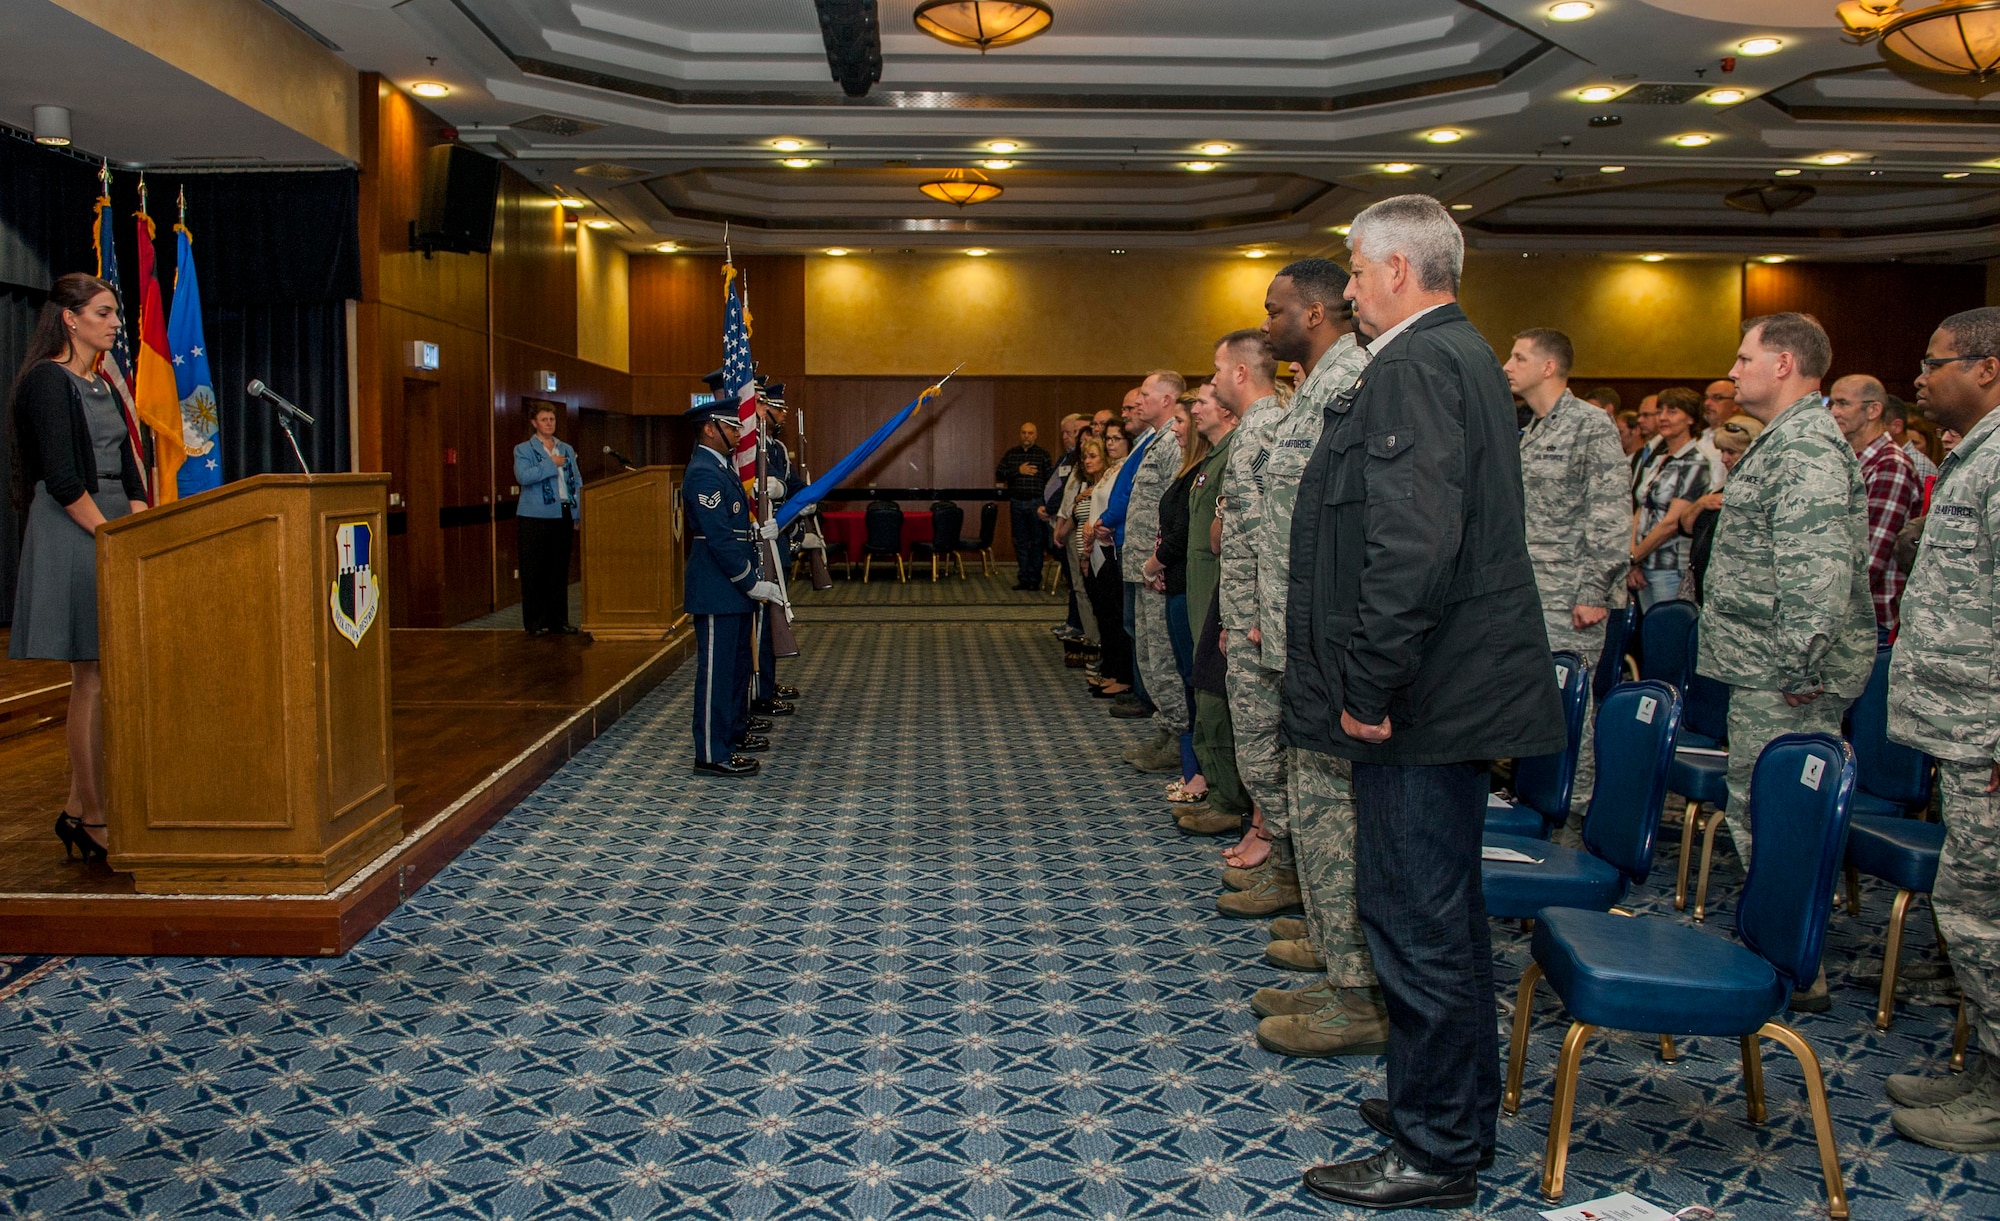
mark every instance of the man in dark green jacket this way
{"type": "Point", "coordinates": [1227, 803]}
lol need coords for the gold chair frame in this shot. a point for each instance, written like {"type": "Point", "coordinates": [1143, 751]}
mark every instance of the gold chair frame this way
{"type": "Point", "coordinates": [1690, 816]}
{"type": "Point", "coordinates": [868, 562]}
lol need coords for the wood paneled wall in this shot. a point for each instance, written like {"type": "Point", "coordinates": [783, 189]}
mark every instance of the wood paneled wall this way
{"type": "Point", "coordinates": [677, 325]}
{"type": "Point", "coordinates": [1879, 315]}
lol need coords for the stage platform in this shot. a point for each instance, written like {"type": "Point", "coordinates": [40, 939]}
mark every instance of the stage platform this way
{"type": "Point", "coordinates": [480, 718]}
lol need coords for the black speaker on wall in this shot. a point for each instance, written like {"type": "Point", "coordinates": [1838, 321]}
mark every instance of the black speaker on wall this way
{"type": "Point", "coordinates": [460, 190]}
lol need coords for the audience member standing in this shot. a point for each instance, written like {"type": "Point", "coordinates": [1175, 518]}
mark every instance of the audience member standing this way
{"type": "Point", "coordinates": [1156, 456]}
{"type": "Point", "coordinates": [1697, 520]}
{"type": "Point", "coordinates": [1578, 512]}
{"type": "Point", "coordinates": [1074, 528]}
{"type": "Point", "coordinates": [1944, 697]}
{"type": "Point", "coordinates": [1895, 494]}
{"type": "Point", "coordinates": [1167, 572]}
{"type": "Point", "coordinates": [1104, 583]}
{"type": "Point", "coordinates": [1718, 403]}
{"type": "Point", "coordinates": [1308, 322]}
{"type": "Point", "coordinates": [1416, 650]}
{"type": "Point", "coordinates": [1648, 416]}
{"type": "Point", "coordinates": [1021, 472]}
{"type": "Point", "coordinates": [1054, 495]}
{"type": "Point", "coordinates": [1787, 620]}
{"type": "Point", "coordinates": [1678, 478]}
{"type": "Point", "coordinates": [546, 521]}
{"type": "Point", "coordinates": [1903, 437]}
{"type": "Point", "coordinates": [1227, 804]}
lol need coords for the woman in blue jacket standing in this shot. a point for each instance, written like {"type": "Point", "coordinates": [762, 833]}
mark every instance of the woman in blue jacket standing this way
{"type": "Point", "coordinates": [551, 503]}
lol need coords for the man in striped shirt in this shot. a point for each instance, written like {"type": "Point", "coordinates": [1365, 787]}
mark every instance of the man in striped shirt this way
{"type": "Point", "coordinates": [1895, 493]}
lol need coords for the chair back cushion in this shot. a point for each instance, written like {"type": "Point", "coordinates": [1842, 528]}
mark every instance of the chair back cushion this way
{"type": "Point", "coordinates": [1799, 795]}
{"type": "Point", "coordinates": [989, 520]}
{"type": "Point", "coordinates": [1886, 769]}
{"type": "Point", "coordinates": [885, 527]}
{"type": "Point", "coordinates": [1617, 642]}
{"type": "Point", "coordinates": [1636, 728]}
{"type": "Point", "coordinates": [1544, 782]}
{"type": "Point", "coordinates": [1667, 643]}
{"type": "Point", "coordinates": [947, 521]}
{"type": "Point", "coordinates": [1705, 713]}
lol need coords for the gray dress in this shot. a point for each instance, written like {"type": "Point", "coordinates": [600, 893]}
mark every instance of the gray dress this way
{"type": "Point", "coordinates": [55, 599]}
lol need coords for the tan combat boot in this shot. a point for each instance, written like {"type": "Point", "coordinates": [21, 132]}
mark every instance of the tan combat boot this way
{"type": "Point", "coordinates": [1205, 819]}
{"type": "Point", "coordinates": [1276, 1002]}
{"type": "Point", "coordinates": [1290, 928]}
{"type": "Point", "coordinates": [1296, 955]}
{"type": "Point", "coordinates": [1345, 1028]}
{"type": "Point", "coordinates": [1276, 892]}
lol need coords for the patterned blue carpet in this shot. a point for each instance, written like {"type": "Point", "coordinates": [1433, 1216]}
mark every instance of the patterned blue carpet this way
{"type": "Point", "coordinates": [946, 958]}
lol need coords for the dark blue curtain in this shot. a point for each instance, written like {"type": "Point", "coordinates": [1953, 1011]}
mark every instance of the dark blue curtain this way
{"type": "Point", "coordinates": [279, 256]}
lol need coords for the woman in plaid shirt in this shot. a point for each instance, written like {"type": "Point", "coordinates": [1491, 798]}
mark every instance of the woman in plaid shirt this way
{"type": "Point", "coordinates": [1665, 492]}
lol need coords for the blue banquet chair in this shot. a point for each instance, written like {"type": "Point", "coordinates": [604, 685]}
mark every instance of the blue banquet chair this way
{"type": "Point", "coordinates": [1543, 783]}
{"type": "Point", "coordinates": [1614, 665]}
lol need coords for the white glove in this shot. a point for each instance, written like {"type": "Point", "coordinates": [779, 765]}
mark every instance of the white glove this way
{"type": "Point", "coordinates": [767, 591]}
{"type": "Point", "coordinates": [774, 487]}
{"type": "Point", "coordinates": [811, 542]}
{"type": "Point", "coordinates": [767, 529]}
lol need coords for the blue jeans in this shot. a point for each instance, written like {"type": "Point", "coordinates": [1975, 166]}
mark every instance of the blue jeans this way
{"type": "Point", "coordinates": [1182, 638]}
{"type": "Point", "coordinates": [1416, 884]}
{"type": "Point", "coordinates": [1131, 621]}
{"type": "Point", "coordinates": [1662, 585]}
{"type": "Point", "coordinates": [1030, 537]}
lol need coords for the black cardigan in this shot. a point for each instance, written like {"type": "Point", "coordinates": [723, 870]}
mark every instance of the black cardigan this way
{"type": "Point", "coordinates": [1172, 548]}
{"type": "Point", "coordinates": [52, 441]}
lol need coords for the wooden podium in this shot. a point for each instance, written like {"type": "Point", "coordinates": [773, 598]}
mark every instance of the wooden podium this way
{"type": "Point", "coordinates": [246, 680]}
{"type": "Point", "coordinates": [633, 554]}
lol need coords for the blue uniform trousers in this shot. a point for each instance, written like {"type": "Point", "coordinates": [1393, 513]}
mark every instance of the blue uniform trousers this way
{"type": "Point", "coordinates": [721, 684]}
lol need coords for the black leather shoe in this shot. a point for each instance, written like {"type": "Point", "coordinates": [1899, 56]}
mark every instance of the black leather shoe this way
{"type": "Point", "coordinates": [1375, 1113]}
{"type": "Point", "coordinates": [771, 708]}
{"type": "Point", "coordinates": [1385, 1180]}
{"type": "Point", "coordinates": [570, 629]}
{"type": "Point", "coordinates": [787, 693]}
{"type": "Point", "coordinates": [752, 744]}
{"type": "Point", "coordinates": [756, 724]}
{"type": "Point", "coordinates": [734, 765]}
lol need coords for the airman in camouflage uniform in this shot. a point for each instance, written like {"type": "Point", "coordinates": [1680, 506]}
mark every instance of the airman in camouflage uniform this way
{"type": "Point", "coordinates": [1578, 505]}
{"type": "Point", "coordinates": [1787, 621]}
{"type": "Point", "coordinates": [1152, 648]}
{"type": "Point", "coordinates": [1253, 701]}
{"type": "Point", "coordinates": [1944, 698]}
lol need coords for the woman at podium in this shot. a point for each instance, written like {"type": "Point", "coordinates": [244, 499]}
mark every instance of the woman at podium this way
{"type": "Point", "coordinates": [74, 470]}
{"type": "Point", "coordinates": [551, 502]}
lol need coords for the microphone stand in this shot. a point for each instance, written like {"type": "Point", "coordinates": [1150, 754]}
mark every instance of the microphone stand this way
{"type": "Point", "coordinates": [285, 422]}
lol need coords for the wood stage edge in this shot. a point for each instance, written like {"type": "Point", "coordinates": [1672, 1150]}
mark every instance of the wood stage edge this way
{"type": "Point", "coordinates": [480, 719]}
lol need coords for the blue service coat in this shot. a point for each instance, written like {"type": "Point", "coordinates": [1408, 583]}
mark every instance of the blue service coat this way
{"type": "Point", "coordinates": [722, 562]}
{"type": "Point", "coordinates": [542, 481]}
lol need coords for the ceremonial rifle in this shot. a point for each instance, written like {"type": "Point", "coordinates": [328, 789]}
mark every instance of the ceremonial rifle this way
{"type": "Point", "coordinates": [783, 644]}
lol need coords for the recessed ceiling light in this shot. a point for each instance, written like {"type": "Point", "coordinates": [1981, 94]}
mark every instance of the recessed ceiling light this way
{"type": "Point", "coordinates": [668, 248]}
{"type": "Point", "coordinates": [52, 126]}
{"type": "Point", "coordinates": [1652, 258]}
{"type": "Point", "coordinates": [569, 201]}
{"type": "Point", "coordinates": [1571, 10]}
{"type": "Point", "coordinates": [1834, 158]}
{"type": "Point", "coordinates": [1398, 167]}
{"type": "Point", "coordinates": [979, 252]}
{"type": "Point", "coordinates": [1256, 254]}
{"type": "Point", "coordinates": [836, 251]}
{"type": "Point", "coordinates": [1216, 149]}
{"type": "Point", "coordinates": [1200, 167]}
{"type": "Point", "coordinates": [1772, 258]}
{"type": "Point", "coordinates": [1461, 207]}
{"type": "Point", "coordinates": [597, 224]}
{"type": "Point", "coordinates": [1760, 46]}
{"type": "Point", "coordinates": [1596, 93]}
{"type": "Point", "coordinates": [1444, 135]}
{"type": "Point", "coordinates": [1959, 174]}
{"type": "Point", "coordinates": [430, 89]}
{"type": "Point", "coordinates": [1343, 230]}
{"type": "Point", "coordinates": [1786, 173]}
{"type": "Point", "coordinates": [1724, 97]}
{"type": "Point", "coordinates": [1610, 169]}
{"type": "Point", "coordinates": [1003, 146]}
{"type": "Point", "coordinates": [797, 163]}
{"type": "Point", "coordinates": [788, 145]}
{"type": "Point", "coordinates": [1694, 139]}
{"type": "Point", "coordinates": [998, 163]}
{"type": "Point", "coordinates": [1118, 252]}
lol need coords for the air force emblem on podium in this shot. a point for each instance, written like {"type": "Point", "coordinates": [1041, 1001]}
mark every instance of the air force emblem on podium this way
{"type": "Point", "coordinates": [357, 592]}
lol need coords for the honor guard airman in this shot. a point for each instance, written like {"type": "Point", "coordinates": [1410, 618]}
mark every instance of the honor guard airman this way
{"type": "Point", "coordinates": [721, 592]}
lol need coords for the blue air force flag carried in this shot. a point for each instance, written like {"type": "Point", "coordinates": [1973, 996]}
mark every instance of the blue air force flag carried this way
{"type": "Point", "coordinates": [200, 429]}
{"type": "Point", "coordinates": [357, 594]}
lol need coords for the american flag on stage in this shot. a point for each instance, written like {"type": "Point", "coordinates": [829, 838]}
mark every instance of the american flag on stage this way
{"type": "Point", "coordinates": [739, 376]}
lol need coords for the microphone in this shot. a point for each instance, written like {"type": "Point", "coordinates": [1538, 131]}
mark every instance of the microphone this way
{"type": "Point", "coordinates": [623, 461]}
{"type": "Point", "coordinates": [258, 390]}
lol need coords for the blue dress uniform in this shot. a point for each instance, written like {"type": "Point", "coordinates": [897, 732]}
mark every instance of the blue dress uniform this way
{"type": "Point", "coordinates": [721, 568]}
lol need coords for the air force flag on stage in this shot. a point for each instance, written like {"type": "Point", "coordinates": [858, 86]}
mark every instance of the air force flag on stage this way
{"type": "Point", "coordinates": [357, 595]}
{"type": "Point", "coordinates": [200, 432]}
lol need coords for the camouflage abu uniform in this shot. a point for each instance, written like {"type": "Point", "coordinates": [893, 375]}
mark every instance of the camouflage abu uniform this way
{"type": "Point", "coordinates": [1152, 648]}
{"type": "Point", "coordinates": [1788, 608]}
{"type": "Point", "coordinates": [1578, 504]}
{"type": "Point", "coordinates": [1319, 788]}
{"type": "Point", "coordinates": [1944, 697]}
{"type": "Point", "coordinates": [1253, 699]}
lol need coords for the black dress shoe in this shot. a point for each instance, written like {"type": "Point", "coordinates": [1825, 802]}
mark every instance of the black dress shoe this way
{"type": "Point", "coordinates": [756, 724]}
{"type": "Point", "coordinates": [1375, 1113]}
{"type": "Point", "coordinates": [771, 708]}
{"type": "Point", "coordinates": [1385, 1180]}
{"type": "Point", "coordinates": [752, 744]}
{"type": "Point", "coordinates": [786, 693]}
{"type": "Point", "coordinates": [569, 629]}
{"type": "Point", "coordinates": [734, 765]}
{"type": "Point", "coordinates": [538, 631]}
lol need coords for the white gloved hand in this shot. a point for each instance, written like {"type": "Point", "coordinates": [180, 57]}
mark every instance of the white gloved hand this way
{"type": "Point", "coordinates": [767, 529]}
{"type": "Point", "coordinates": [774, 487]}
{"type": "Point", "coordinates": [812, 542]}
{"type": "Point", "coordinates": [767, 591]}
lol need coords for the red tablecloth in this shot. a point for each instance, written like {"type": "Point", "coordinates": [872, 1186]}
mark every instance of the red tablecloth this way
{"type": "Point", "coordinates": [851, 527]}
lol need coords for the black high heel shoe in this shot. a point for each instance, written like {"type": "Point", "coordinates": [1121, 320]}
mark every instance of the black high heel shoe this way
{"type": "Point", "coordinates": [91, 849]}
{"type": "Point", "coordinates": [69, 829]}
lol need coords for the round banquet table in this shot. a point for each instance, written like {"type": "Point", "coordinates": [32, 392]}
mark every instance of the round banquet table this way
{"type": "Point", "coordinates": [850, 526]}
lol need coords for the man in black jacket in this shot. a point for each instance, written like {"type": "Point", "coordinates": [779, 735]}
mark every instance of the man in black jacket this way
{"type": "Point", "coordinates": [1416, 651]}
{"type": "Point", "coordinates": [1021, 472]}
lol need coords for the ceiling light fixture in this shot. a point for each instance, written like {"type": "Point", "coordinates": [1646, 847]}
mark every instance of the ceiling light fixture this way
{"type": "Point", "coordinates": [1118, 251]}
{"type": "Point", "coordinates": [1786, 173]}
{"type": "Point", "coordinates": [1772, 258]}
{"type": "Point", "coordinates": [1610, 169]}
{"type": "Point", "coordinates": [1834, 158]}
{"type": "Point", "coordinates": [1003, 146]}
{"type": "Point", "coordinates": [668, 248]}
{"type": "Point", "coordinates": [1652, 258]}
{"type": "Point", "coordinates": [430, 89]}
{"type": "Point", "coordinates": [599, 225]}
{"type": "Point", "coordinates": [568, 201]}
{"type": "Point", "coordinates": [984, 24]}
{"type": "Point", "coordinates": [836, 251]}
{"type": "Point", "coordinates": [1954, 37]}
{"type": "Point", "coordinates": [1343, 230]}
{"type": "Point", "coordinates": [1398, 167]}
{"type": "Point", "coordinates": [1461, 207]}
{"type": "Point", "coordinates": [961, 187]}
{"type": "Point", "coordinates": [998, 163]}
{"type": "Point", "coordinates": [1596, 93]}
{"type": "Point", "coordinates": [1216, 149]}
{"type": "Point", "coordinates": [1724, 97]}
{"type": "Point", "coordinates": [1959, 174]}
{"type": "Point", "coordinates": [1199, 167]}
{"type": "Point", "coordinates": [1444, 135]}
{"type": "Point", "coordinates": [1256, 254]}
{"type": "Point", "coordinates": [797, 163]}
{"type": "Point", "coordinates": [787, 144]}
{"type": "Point", "coordinates": [52, 126]}
{"type": "Point", "coordinates": [1694, 139]}
{"type": "Point", "coordinates": [1571, 10]}
{"type": "Point", "coordinates": [1760, 46]}
{"type": "Point", "coordinates": [979, 252]}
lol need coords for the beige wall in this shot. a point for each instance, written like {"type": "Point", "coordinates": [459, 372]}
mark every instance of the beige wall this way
{"type": "Point", "coordinates": [248, 52]}
{"type": "Point", "coordinates": [603, 301]}
{"type": "Point", "coordinates": [1628, 319]}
